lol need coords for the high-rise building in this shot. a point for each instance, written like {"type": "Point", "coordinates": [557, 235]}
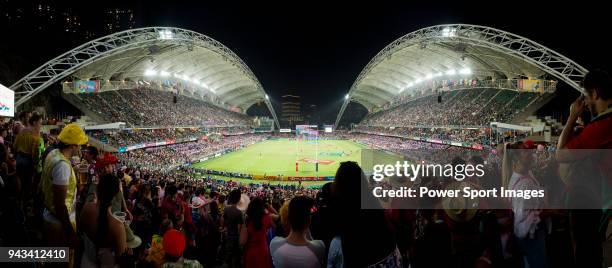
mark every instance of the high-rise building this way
{"type": "Point", "coordinates": [311, 116]}
{"type": "Point", "coordinates": [118, 19]}
{"type": "Point", "coordinates": [71, 22]}
{"type": "Point", "coordinates": [74, 25]}
{"type": "Point", "coordinates": [291, 110]}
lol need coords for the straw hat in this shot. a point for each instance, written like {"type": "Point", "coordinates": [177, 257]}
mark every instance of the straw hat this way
{"type": "Point", "coordinates": [460, 209]}
{"type": "Point", "coordinates": [196, 203]}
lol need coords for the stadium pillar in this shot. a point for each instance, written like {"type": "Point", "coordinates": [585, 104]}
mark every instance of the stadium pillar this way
{"type": "Point", "coordinates": [296, 166]}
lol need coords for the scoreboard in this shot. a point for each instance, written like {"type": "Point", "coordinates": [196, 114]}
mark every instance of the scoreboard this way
{"type": "Point", "coordinates": [329, 128]}
{"type": "Point", "coordinates": [310, 130]}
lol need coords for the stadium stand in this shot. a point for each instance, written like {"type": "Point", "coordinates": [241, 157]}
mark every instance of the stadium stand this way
{"type": "Point", "coordinates": [150, 107]}
{"type": "Point", "coordinates": [468, 107]}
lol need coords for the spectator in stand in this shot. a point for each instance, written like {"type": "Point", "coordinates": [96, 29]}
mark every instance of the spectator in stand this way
{"type": "Point", "coordinates": [233, 220]}
{"type": "Point", "coordinates": [104, 165]}
{"type": "Point", "coordinates": [119, 203]}
{"type": "Point", "coordinates": [143, 214]}
{"type": "Point", "coordinates": [59, 190]}
{"type": "Point", "coordinates": [198, 209]}
{"type": "Point", "coordinates": [352, 221]}
{"type": "Point", "coordinates": [171, 208]}
{"type": "Point", "coordinates": [3, 135]}
{"type": "Point", "coordinates": [26, 147]}
{"type": "Point", "coordinates": [174, 245]}
{"type": "Point", "coordinates": [156, 255]}
{"type": "Point", "coordinates": [11, 218]}
{"type": "Point", "coordinates": [297, 250]}
{"type": "Point", "coordinates": [253, 235]}
{"type": "Point", "coordinates": [590, 225]}
{"type": "Point", "coordinates": [211, 238]}
{"type": "Point", "coordinates": [529, 220]}
{"type": "Point", "coordinates": [322, 223]}
{"type": "Point", "coordinates": [284, 228]}
{"type": "Point", "coordinates": [104, 234]}
{"type": "Point", "coordinates": [23, 123]}
{"type": "Point", "coordinates": [87, 171]}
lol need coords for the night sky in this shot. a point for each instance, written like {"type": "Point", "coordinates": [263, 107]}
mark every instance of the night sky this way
{"type": "Point", "coordinates": [319, 50]}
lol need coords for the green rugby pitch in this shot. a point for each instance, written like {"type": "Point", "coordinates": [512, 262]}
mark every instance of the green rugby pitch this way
{"type": "Point", "coordinates": [278, 157]}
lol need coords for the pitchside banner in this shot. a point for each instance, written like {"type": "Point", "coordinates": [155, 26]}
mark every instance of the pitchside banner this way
{"type": "Point", "coordinates": [529, 179]}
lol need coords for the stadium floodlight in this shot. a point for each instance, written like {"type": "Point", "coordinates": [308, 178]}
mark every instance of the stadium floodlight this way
{"type": "Point", "coordinates": [164, 73]}
{"type": "Point", "coordinates": [150, 72]}
{"type": "Point", "coordinates": [449, 32]}
{"type": "Point", "coordinates": [346, 97]}
{"type": "Point", "coordinates": [418, 80]}
{"type": "Point", "coordinates": [267, 98]}
{"type": "Point", "coordinates": [401, 90]}
{"type": "Point", "coordinates": [186, 78]}
{"type": "Point", "coordinates": [451, 72]}
{"type": "Point", "coordinates": [410, 84]}
{"type": "Point", "coordinates": [465, 71]}
{"type": "Point", "coordinates": [439, 74]}
{"type": "Point", "coordinates": [429, 76]}
{"type": "Point", "coordinates": [166, 34]}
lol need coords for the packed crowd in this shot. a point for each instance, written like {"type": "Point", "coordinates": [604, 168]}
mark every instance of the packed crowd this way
{"type": "Point", "coordinates": [56, 191]}
{"type": "Point", "coordinates": [459, 135]}
{"type": "Point", "coordinates": [121, 138]}
{"type": "Point", "coordinates": [169, 157]}
{"type": "Point", "coordinates": [127, 137]}
{"type": "Point", "coordinates": [469, 107]}
{"type": "Point", "coordinates": [149, 107]}
{"type": "Point", "coordinates": [419, 150]}
{"type": "Point", "coordinates": [394, 143]}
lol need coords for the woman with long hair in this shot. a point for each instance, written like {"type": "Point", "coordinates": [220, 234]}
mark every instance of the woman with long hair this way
{"type": "Point", "coordinates": [104, 233]}
{"type": "Point", "coordinates": [256, 253]}
{"type": "Point", "coordinates": [143, 214]}
{"type": "Point", "coordinates": [361, 230]}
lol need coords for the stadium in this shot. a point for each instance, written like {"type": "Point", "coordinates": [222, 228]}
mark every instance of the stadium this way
{"type": "Point", "coordinates": [165, 115]}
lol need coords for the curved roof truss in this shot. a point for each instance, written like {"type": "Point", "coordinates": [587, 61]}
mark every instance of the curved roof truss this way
{"type": "Point", "coordinates": [489, 52]}
{"type": "Point", "coordinates": [173, 51]}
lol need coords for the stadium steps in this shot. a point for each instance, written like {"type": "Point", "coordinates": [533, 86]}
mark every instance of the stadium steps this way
{"type": "Point", "coordinates": [489, 101]}
{"type": "Point", "coordinates": [477, 98]}
{"type": "Point", "coordinates": [533, 107]}
{"type": "Point", "coordinates": [453, 97]}
{"type": "Point", "coordinates": [510, 102]}
{"type": "Point", "coordinates": [76, 102]}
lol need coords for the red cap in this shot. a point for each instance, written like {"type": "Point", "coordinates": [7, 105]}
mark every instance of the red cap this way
{"type": "Point", "coordinates": [529, 144]}
{"type": "Point", "coordinates": [107, 159]}
{"type": "Point", "coordinates": [174, 243]}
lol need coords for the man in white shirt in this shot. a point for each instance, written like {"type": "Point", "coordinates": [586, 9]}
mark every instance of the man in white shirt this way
{"type": "Point", "coordinates": [297, 250]}
{"type": "Point", "coordinates": [59, 187]}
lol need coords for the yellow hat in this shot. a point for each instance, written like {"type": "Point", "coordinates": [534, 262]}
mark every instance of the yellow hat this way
{"type": "Point", "coordinates": [73, 134]}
